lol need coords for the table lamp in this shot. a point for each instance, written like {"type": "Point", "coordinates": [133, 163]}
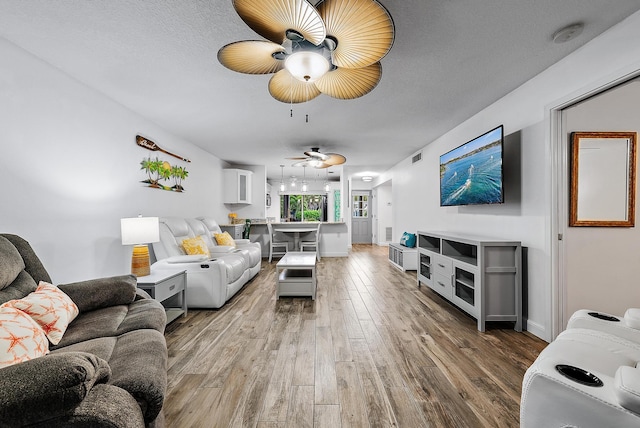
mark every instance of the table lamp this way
{"type": "Point", "coordinates": [140, 231]}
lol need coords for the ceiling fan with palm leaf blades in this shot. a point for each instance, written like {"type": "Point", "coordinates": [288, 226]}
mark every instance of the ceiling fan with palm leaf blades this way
{"type": "Point", "coordinates": [316, 159]}
{"type": "Point", "coordinates": [333, 48]}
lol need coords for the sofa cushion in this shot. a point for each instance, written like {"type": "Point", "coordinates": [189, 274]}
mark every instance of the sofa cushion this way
{"type": "Point", "coordinates": [32, 263]}
{"type": "Point", "coordinates": [22, 286]}
{"type": "Point", "coordinates": [235, 265]}
{"type": "Point", "coordinates": [114, 321]}
{"type": "Point", "coordinates": [138, 361]}
{"type": "Point", "coordinates": [11, 263]}
{"type": "Point", "coordinates": [50, 308]}
{"type": "Point", "coordinates": [251, 253]}
{"type": "Point", "coordinates": [47, 387]}
{"type": "Point", "coordinates": [21, 338]}
{"type": "Point", "coordinates": [210, 224]}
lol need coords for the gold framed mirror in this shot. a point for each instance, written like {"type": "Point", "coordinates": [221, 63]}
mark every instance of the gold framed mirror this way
{"type": "Point", "coordinates": [603, 179]}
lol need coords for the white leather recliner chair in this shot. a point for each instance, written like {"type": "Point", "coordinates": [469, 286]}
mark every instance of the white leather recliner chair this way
{"type": "Point", "coordinates": [210, 282]}
{"type": "Point", "coordinates": [589, 377]}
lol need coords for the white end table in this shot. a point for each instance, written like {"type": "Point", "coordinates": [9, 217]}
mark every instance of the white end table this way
{"type": "Point", "coordinates": [296, 275]}
{"type": "Point", "coordinates": [163, 284]}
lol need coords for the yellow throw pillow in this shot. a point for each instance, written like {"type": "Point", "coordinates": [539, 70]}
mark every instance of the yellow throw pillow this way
{"type": "Point", "coordinates": [195, 246]}
{"type": "Point", "coordinates": [224, 239]}
{"type": "Point", "coordinates": [21, 338]}
{"type": "Point", "coordinates": [50, 307]}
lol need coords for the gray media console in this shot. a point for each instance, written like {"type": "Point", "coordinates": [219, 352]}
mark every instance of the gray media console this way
{"type": "Point", "coordinates": [482, 276]}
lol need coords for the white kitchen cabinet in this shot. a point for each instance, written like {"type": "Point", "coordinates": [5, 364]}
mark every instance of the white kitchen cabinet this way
{"type": "Point", "coordinates": [237, 186]}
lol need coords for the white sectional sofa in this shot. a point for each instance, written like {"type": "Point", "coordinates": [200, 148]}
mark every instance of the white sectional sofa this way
{"type": "Point", "coordinates": [210, 281]}
{"type": "Point", "coordinates": [589, 377]}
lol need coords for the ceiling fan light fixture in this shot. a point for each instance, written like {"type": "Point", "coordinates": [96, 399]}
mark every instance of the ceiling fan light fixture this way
{"type": "Point", "coordinates": [306, 66]}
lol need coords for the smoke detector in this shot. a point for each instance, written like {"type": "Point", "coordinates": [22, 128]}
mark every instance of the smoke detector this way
{"type": "Point", "coordinates": [567, 33]}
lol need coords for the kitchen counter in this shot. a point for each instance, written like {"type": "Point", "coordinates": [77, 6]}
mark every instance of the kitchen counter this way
{"type": "Point", "coordinates": [333, 236]}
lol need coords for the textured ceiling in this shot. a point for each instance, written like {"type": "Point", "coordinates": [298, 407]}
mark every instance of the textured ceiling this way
{"type": "Point", "coordinates": [451, 58]}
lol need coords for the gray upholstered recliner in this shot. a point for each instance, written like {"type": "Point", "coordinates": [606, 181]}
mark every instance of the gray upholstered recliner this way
{"type": "Point", "coordinates": [109, 369]}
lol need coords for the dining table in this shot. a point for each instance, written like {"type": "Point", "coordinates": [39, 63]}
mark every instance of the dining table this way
{"type": "Point", "coordinates": [296, 230]}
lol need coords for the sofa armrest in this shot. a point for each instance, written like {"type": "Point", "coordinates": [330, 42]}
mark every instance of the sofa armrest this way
{"type": "Point", "coordinates": [627, 387]}
{"type": "Point", "coordinates": [48, 387]}
{"type": "Point", "coordinates": [141, 295]}
{"type": "Point", "coordinates": [242, 242]}
{"type": "Point", "coordinates": [195, 258]}
{"type": "Point", "coordinates": [101, 293]}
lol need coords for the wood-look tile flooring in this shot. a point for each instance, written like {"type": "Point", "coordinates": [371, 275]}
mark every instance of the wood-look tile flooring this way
{"type": "Point", "coordinates": [373, 350]}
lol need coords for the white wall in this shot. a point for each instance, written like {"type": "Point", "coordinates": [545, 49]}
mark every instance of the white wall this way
{"type": "Point", "coordinates": [526, 214]}
{"type": "Point", "coordinates": [383, 202]}
{"type": "Point", "coordinates": [70, 169]}
{"type": "Point", "coordinates": [601, 263]}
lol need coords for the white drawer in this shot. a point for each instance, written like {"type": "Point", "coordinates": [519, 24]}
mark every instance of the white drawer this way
{"type": "Point", "coordinates": [442, 265]}
{"type": "Point", "coordinates": [442, 285]}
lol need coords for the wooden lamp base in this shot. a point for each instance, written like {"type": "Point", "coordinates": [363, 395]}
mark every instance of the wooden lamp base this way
{"type": "Point", "coordinates": [140, 260]}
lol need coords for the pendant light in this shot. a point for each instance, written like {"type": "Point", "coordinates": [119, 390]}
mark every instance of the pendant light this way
{"type": "Point", "coordinates": [327, 186]}
{"type": "Point", "coordinates": [282, 187]}
{"type": "Point", "coordinates": [304, 178]}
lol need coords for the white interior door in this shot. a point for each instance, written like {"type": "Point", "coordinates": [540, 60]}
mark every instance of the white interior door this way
{"type": "Point", "coordinates": [361, 217]}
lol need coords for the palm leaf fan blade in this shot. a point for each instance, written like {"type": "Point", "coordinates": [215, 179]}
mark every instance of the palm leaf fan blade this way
{"type": "Point", "coordinates": [251, 57]}
{"type": "Point", "coordinates": [334, 159]}
{"type": "Point", "coordinates": [364, 30]}
{"type": "Point", "coordinates": [272, 18]}
{"type": "Point", "coordinates": [287, 89]}
{"type": "Point", "coordinates": [347, 83]}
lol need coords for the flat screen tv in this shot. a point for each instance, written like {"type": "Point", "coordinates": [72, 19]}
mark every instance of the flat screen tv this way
{"type": "Point", "coordinates": [472, 173]}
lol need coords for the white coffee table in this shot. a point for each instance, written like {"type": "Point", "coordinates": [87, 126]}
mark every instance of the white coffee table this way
{"type": "Point", "coordinates": [296, 275]}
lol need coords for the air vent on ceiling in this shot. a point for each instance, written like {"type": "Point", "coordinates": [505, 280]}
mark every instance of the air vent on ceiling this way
{"type": "Point", "coordinates": [416, 158]}
{"type": "Point", "coordinates": [388, 234]}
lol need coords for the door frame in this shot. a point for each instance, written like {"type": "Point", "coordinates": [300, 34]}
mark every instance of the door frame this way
{"type": "Point", "coordinates": [557, 148]}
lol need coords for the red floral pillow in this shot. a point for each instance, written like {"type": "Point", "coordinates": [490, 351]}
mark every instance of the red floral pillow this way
{"type": "Point", "coordinates": [21, 338]}
{"type": "Point", "coordinates": [51, 308]}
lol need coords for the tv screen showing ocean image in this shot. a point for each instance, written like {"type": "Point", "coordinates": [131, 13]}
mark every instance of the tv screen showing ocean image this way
{"type": "Point", "coordinates": [472, 173]}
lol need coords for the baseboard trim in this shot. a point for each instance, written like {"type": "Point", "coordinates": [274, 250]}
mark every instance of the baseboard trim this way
{"type": "Point", "coordinates": [537, 330]}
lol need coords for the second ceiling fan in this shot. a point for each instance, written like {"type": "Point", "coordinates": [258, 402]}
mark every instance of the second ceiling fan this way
{"type": "Point", "coordinates": [315, 159]}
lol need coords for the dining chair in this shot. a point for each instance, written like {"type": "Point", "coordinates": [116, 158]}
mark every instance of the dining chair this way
{"type": "Point", "coordinates": [315, 244]}
{"type": "Point", "coordinates": [276, 247]}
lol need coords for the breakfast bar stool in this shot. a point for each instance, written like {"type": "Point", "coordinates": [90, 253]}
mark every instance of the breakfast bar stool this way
{"type": "Point", "coordinates": [313, 244]}
{"type": "Point", "coordinates": [277, 248]}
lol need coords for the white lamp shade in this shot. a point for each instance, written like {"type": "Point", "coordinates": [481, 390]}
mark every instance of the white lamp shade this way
{"type": "Point", "coordinates": [139, 230]}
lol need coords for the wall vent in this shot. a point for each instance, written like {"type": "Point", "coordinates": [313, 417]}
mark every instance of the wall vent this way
{"type": "Point", "coordinates": [416, 158]}
{"type": "Point", "coordinates": [388, 234]}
